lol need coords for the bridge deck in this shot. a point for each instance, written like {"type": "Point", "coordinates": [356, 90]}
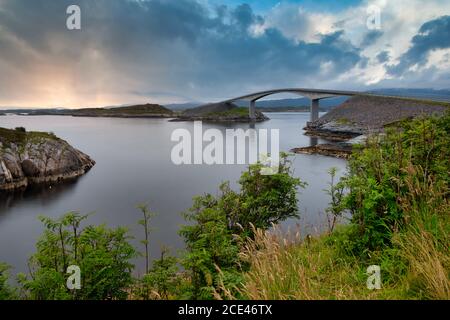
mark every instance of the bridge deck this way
{"type": "Point", "coordinates": [310, 93]}
{"type": "Point", "coordinates": [314, 94]}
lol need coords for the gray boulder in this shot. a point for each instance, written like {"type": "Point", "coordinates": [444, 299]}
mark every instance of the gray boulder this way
{"type": "Point", "coordinates": [31, 158]}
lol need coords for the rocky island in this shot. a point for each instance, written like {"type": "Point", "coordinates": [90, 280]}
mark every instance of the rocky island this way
{"type": "Point", "coordinates": [137, 111]}
{"type": "Point", "coordinates": [352, 121]}
{"type": "Point", "coordinates": [28, 158]}
{"type": "Point", "coordinates": [219, 112]}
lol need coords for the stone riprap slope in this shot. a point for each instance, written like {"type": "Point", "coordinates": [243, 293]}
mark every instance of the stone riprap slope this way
{"type": "Point", "coordinates": [28, 158]}
{"type": "Point", "coordinates": [363, 114]}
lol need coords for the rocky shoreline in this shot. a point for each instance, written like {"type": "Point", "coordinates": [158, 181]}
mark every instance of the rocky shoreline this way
{"type": "Point", "coordinates": [352, 121]}
{"type": "Point", "coordinates": [221, 119]}
{"type": "Point", "coordinates": [334, 136]}
{"type": "Point", "coordinates": [32, 158]}
{"type": "Point", "coordinates": [342, 151]}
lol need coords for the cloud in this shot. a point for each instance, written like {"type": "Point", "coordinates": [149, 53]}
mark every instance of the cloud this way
{"type": "Point", "coordinates": [181, 48]}
{"type": "Point", "coordinates": [371, 37]}
{"type": "Point", "coordinates": [383, 56]}
{"type": "Point", "coordinates": [432, 35]}
{"type": "Point", "coordinates": [178, 50]}
{"type": "Point", "coordinates": [295, 22]}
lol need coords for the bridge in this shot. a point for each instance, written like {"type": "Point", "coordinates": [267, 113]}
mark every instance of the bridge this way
{"type": "Point", "coordinates": [314, 94]}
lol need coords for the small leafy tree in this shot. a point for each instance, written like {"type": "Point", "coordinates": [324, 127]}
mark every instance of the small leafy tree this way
{"type": "Point", "coordinates": [163, 278]}
{"type": "Point", "coordinates": [220, 224]}
{"type": "Point", "coordinates": [102, 254]}
{"type": "Point", "coordinates": [6, 292]}
{"type": "Point", "coordinates": [267, 199]}
{"type": "Point", "coordinates": [336, 206]}
{"type": "Point", "coordinates": [147, 215]}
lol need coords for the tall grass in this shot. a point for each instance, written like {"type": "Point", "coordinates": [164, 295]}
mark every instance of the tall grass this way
{"type": "Point", "coordinates": [428, 274]}
{"type": "Point", "coordinates": [289, 268]}
{"type": "Point", "coordinates": [425, 243]}
{"type": "Point", "coordinates": [316, 268]}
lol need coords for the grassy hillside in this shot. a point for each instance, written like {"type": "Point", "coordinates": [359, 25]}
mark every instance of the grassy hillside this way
{"type": "Point", "coordinates": [19, 136]}
{"type": "Point", "coordinates": [137, 110]}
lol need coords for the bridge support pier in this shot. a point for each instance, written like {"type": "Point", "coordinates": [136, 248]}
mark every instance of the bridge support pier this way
{"type": "Point", "coordinates": [314, 109]}
{"type": "Point", "coordinates": [252, 110]}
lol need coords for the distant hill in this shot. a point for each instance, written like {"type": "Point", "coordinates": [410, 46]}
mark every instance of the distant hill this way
{"type": "Point", "coordinates": [137, 111]}
{"type": "Point", "coordinates": [219, 112]}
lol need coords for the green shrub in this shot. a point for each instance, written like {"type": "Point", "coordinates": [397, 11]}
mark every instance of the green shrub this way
{"type": "Point", "coordinates": [102, 254]}
{"type": "Point", "coordinates": [6, 292]}
{"type": "Point", "coordinates": [390, 174]}
{"type": "Point", "coordinates": [220, 224]}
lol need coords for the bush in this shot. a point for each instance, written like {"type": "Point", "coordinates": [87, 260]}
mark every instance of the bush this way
{"type": "Point", "coordinates": [388, 176]}
{"type": "Point", "coordinates": [102, 254]}
{"type": "Point", "coordinates": [162, 281]}
{"type": "Point", "coordinates": [220, 224]}
{"type": "Point", "coordinates": [6, 292]}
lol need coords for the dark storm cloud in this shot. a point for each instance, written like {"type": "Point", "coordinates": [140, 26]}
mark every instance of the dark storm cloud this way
{"type": "Point", "coordinates": [371, 37]}
{"type": "Point", "coordinates": [433, 35]}
{"type": "Point", "coordinates": [180, 47]}
{"type": "Point", "coordinates": [383, 56]}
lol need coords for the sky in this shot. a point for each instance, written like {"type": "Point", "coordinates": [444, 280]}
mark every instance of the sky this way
{"type": "Point", "coordinates": [174, 51]}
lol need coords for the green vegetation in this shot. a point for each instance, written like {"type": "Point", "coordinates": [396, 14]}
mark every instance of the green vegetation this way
{"type": "Point", "coordinates": [162, 281]}
{"type": "Point", "coordinates": [137, 110]}
{"type": "Point", "coordinates": [6, 292]}
{"type": "Point", "coordinates": [343, 121]}
{"type": "Point", "coordinates": [396, 192]}
{"type": "Point", "coordinates": [102, 254]}
{"type": "Point", "coordinates": [234, 112]}
{"type": "Point", "coordinates": [221, 224]}
{"type": "Point", "coordinates": [20, 136]}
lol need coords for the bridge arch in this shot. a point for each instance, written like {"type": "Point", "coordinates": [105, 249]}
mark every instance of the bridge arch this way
{"type": "Point", "coordinates": [315, 95]}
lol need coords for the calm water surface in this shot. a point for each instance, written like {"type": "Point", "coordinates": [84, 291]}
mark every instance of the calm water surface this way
{"type": "Point", "coordinates": [133, 167]}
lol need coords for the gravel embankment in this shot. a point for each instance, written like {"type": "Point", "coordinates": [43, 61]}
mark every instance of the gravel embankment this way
{"type": "Point", "coordinates": [362, 114]}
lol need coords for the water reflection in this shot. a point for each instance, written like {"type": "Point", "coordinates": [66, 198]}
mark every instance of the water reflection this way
{"type": "Point", "coordinates": [45, 194]}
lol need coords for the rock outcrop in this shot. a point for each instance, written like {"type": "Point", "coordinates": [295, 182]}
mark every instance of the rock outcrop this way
{"type": "Point", "coordinates": [28, 158]}
{"type": "Point", "coordinates": [342, 151]}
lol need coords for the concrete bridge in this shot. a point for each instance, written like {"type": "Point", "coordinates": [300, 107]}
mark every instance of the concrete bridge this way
{"type": "Point", "coordinates": [314, 94]}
